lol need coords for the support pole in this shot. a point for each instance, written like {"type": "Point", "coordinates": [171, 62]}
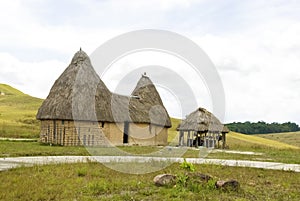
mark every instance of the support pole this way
{"type": "Point", "coordinates": [188, 140]}
{"type": "Point", "coordinates": [181, 134]}
{"type": "Point", "coordinates": [223, 140]}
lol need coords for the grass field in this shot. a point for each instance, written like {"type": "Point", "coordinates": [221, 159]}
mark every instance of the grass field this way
{"type": "Point", "coordinates": [93, 181]}
{"type": "Point", "coordinates": [14, 149]}
{"type": "Point", "coordinates": [292, 138]}
{"type": "Point", "coordinates": [17, 114]}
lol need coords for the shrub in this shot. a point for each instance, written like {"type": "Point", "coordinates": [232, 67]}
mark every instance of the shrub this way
{"type": "Point", "coordinates": [187, 166]}
{"type": "Point", "coordinates": [81, 172]}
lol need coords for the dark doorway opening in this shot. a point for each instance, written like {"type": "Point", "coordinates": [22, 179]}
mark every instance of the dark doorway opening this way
{"type": "Point", "coordinates": [126, 132]}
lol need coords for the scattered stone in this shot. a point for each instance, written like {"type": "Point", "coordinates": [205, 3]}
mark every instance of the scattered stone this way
{"type": "Point", "coordinates": [228, 185]}
{"type": "Point", "coordinates": [220, 184]}
{"type": "Point", "coordinates": [197, 176]}
{"type": "Point", "coordinates": [165, 180]}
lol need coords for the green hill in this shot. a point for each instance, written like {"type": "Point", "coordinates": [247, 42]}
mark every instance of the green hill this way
{"type": "Point", "coordinates": [8, 90]}
{"type": "Point", "coordinates": [17, 113]}
{"type": "Point", "coordinates": [238, 140]}
{"type": "Point", "coordinates": [292, 138]}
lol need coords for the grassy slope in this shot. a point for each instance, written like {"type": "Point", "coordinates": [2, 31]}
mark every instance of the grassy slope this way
{"type": "Point", "coordinates": [234, 139]}
{"type": "Point", "coordinates": [17, 113]}
{"type": "Point", "coordinates": [292, 138]}
{"type": "Point", "coordinates": [172, 133]}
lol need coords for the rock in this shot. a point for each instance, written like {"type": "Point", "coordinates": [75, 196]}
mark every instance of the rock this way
{"type": "Point", "coordinates": [203, 177]}
{"type": "Point", "coordinates": [165, 180]}
{"type": "Point", "coordinates": [228, 185]}
{"type": "Point", "coordinates": [219, 184]}
{"type": "Point", "coordinates": [197, 176]}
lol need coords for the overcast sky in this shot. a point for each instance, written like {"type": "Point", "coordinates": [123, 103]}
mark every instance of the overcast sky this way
{"type": "Point", "coordinates": [254, 44]}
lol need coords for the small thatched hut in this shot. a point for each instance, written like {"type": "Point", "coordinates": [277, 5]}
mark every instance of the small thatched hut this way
{"type": "Point", "coordinates": [203, 129]}
{"type": "Point", "coordinates": [80, 110]}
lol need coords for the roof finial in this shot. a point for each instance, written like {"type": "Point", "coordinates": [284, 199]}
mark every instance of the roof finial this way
{"type": "Point", "coordinates": [80, 49]}
{"type": "Point", "coordinates": [144, 75]}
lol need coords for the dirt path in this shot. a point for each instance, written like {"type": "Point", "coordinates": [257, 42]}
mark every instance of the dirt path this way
{"type": "Point", "coordinates": [19, 139]}
{"type": "Point", "coordinates": [12, 162]}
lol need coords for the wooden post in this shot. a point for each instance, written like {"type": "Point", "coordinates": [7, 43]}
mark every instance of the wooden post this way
{"type": "Point", "coordinates": [197, 139]}
{"type": "Point", "coordinates": [201, 138]}
{"type": "Point", "coordinates": [188, 140]}
{"type": "Point", "coordinates": [181, 133]}
{"type": "Point", "coordinates": [223, 140]}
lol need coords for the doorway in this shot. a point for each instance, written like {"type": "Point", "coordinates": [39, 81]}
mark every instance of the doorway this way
{"type": "Point", "coordinates": [126, 132]}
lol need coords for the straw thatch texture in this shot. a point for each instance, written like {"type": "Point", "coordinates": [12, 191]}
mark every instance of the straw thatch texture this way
{"type": "Point", "coordinates": [203, 121]}
{"type": "Point", "coordinates": [76, 93]}
{"type": "Point", "coordinates": [146, 104]}
{"type": "Point", "coordinates": [79, 94]}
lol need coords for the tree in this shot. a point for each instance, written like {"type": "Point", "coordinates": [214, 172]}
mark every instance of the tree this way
{"type": "Point", "coordinates": [261, 127]}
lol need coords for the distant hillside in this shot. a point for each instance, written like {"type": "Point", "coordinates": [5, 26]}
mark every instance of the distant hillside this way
{"type": "Point", "coordinates": [17, 113]}
{"type": "Point", "coordinates": [292, 138]}
{"type": "Point", "coordinates": [8, 90]}
{"type": "Point", "coordinates": [242, 141]}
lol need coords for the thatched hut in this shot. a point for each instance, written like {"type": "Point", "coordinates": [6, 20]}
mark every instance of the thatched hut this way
{"type": "Point", "coordinates": [202, 128]}
{"type": "Point", "coordinates": [80, 110]}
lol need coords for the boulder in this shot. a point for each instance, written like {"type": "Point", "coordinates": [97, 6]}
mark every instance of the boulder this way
{"type": "Point", "coordinates": [165, 180]}
{"type": "Point", "coordinates": [231, 185]}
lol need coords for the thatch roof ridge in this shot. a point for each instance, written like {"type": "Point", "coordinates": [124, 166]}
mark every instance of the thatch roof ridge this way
{"type": "Point", "coordinates": [144, 81]}
{"type": "Point", "coordinates": [203, 121]}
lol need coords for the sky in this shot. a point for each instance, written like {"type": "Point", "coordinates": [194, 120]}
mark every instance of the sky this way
{"type": "Point", "coordinates": [254, 45]}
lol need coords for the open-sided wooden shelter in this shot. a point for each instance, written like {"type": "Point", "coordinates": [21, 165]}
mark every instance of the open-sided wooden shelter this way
{"type": "Point", "coordinates": [202, 128]}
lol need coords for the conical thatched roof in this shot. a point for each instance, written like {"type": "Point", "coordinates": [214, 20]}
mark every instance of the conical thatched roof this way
{"type": "Point", "coordinates": [79, 82]}
{"type": "Point", "coordinates": [147, 104]}
{"type": "Point", "coordinates": [203, 121]}
{"type": "Point", "coordinates": [80, 94]}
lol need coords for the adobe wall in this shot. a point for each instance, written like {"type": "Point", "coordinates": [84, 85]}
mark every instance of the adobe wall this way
{"type": "Point", "coordinates": [145, 134]}
{"type": "Point", "coordinates": [69, 133]}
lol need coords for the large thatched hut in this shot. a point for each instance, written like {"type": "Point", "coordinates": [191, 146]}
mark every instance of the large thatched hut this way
{"type": "Point", "coordinates": [80, 110]}
{"type": "Point", "coordinates": [202, 128]}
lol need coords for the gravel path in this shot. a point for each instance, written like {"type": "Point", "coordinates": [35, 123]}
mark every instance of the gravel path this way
{"type": "Point", "coordinates": [12, 162]}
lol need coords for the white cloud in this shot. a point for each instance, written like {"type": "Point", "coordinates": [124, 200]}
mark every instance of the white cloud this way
{"type": "Point", "coordinates": [174, 77]}
{"type": "Point", "coordinates": [255, 45]}
{"type": "Point", "coordinates": [259, 69]}
{"type": "Point", "coordinates": [34, 78]}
